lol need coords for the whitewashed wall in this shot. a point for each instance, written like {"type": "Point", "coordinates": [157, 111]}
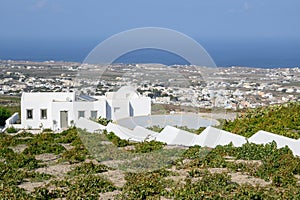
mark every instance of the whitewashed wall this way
{"type": "Point", "coordinates": [141, 106]}
{"type": "Point", "coordinates": [38, 101]}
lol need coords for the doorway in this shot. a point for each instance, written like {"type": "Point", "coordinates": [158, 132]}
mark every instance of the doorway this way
{"type": "Point", "coordinates": [63, 119]}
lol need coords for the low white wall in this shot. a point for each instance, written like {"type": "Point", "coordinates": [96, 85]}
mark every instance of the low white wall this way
{"type": "Point", "coordinates": [12, 120]}
{"type": "Point", "coordinates": [89, 125]}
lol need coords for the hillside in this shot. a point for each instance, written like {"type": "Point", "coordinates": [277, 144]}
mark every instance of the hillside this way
{"type": "Point", "coordinates": [279, 119]}
{"type": "Point", "coordinates": [61, 165]}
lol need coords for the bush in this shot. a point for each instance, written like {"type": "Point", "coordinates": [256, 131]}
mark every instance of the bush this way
{"type": "Point", "coordinates": [116, 140]}
{"type": "Point", "coordinates": [146, 147]}
{"type": "Point", "coordinates": [89, 187]}
{"type": "Point", "coordinates": [103, 121]}
{"type": "Point", "coordinates": [80, 187]}
{"type": "Point", "coordinates": [280, 119]}
{"type": "Point", "coordinates": [44, 143]}
{"type": "Point", "coordinates": [45, 147]}
{"type": "Point", "coordinates": [155, 128]}
{"type": "Point", "coordinates": [68, 136]}
{"type": "Point", "coordinates": [75, 155]}
{"type": "Point", "coordinates": [144, 185]}
{"type": "Point", "coordinates": [88, 168]}
{"type": "Point", "coordinates": [4, 115]}
{"type": "Point", "coordinates": [24, 134]}
{"type": "Point", "coordinates": [11, 130]}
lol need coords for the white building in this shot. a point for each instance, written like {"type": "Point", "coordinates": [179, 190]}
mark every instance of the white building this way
{"type": "Point", "coordinates": [61, 110]}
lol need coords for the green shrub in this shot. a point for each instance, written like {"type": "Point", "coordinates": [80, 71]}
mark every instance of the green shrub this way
{"type": "Point", "coordinates": [13, 192]}
{"type": "Point", "coordinates": [146, 147]}
{"type": "Point", "coordinates": [12, 174]}
{"type": "Point", "coordinates": [268, 119]}
{"type": "Point", "coordinates": [88, 168]}
{"type": "Point", "coordinates": [23, 161]}
{"type": "Point", "coordinates": [80, 187]}
{"type": "Point", "coordinates": [6, 152]}
{"type": "Point", "coordinates": [47, 130]}
{"type": "Point", "coordinates": [195, 131]}
{"type": "Point", "coordinates": [11, 130]}
{"type": "Point", "coordinates": [24, 134]}
{"type": "Point", "coordinates": [4, 115]}
{"type": "Point", "coordinates": [211, 186]}
{"type": "Point", "coordinates": [41, 148]}
{"type": "Point", "coordinates": [144, 185]}
{"type": "Point", "coordinates": [116, 140]}
{"type": "Point", "coordinates": [44, 143]}
{"type": "Point", "coordinates": [155, 128]}
{"type": "Point", "coordinates": [195, 152]}
{"type": "Point", "coordinates": [103, 121]}
{"type": "Point", "coordinates": [68, 136]}
{"type": "Point", "coordinates": [75, 155]}
{"type": "Point", "coordinates": [39, 177]}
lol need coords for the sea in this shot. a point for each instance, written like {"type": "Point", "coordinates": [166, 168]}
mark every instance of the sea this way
{"type": "Point", "coordinates": [259, 53]}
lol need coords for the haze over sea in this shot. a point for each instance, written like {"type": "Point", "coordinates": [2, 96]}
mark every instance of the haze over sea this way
{"type": "Point", "coordinates": [263, 53]}
{"type": "Point", "coordinates": [252, 33]}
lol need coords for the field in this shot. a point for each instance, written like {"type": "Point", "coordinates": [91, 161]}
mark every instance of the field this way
{"type": "Point", "coordinates": [12, 103]}
{"type": "Point", "coordinates": [61, 165]}
{"type": "Point", "coordinates": [75, 164]}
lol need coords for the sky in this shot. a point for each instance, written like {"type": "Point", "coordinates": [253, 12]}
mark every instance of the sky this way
{"type": "Point", "coordinates": [43, 29]}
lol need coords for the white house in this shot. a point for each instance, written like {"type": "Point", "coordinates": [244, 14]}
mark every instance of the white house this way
{"type": "Point", "coordinates": [59, 110]}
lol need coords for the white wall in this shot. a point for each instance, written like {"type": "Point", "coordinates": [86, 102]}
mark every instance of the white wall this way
{"type": "Point", "coordinates": [55, 113]}
{"type": "Point", "coordinates": [54, 103]}
{"type": "Point", "coordinates": [11, 120]}
{"type": "Point", "coordinates": [38, 101]}
{"type": "Point", "coordinates": [141, 106]}
{"type": "Point", "coordinates": [212, 137]}
{"type": "Point", "coordinates": [119, 108]}
{"type": "Point", "coordinates": [175, 136]}
{"type": "Point", "coordinates": [89, 125]}
{"type": "Point", "coordinates": [73, 109]}
{"type": "Point", "coordinates": [264, 137]}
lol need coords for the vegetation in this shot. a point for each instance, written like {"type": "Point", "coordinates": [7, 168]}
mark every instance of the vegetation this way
{"type": "Point", "coordinates": [116, 140]}
{"type": "Point", "coordinates": [79, 187]}
{"type": "Point", "coordinates": [226, 172]}
{"type": "Point", "coordinates": [278, 168]}
{"type": "Point", "coordinates": [4, 115]}
{"type": "Point", "coordinates": [156, 128]}
{"type": "Point", "coordinates": [78, 153]}
{"type": "Point", "coordinates": [44, 143]}
{"type": "Point", "coordinates": [89, 168]}
{"type": "Point", "coordinates": [11, 130]}
{"type": "Point", "coordinates": [103, 121]}
{"type": "Point", "coordinates": [280, 119]}
{"type": "Point", "coordinates": [145, 185]}
{"type": "Point", "coordinates": [195, 131]}
{"type": "Point", "coordinates": [147, 147]}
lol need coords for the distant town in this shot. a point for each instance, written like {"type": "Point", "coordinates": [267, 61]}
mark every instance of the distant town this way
{"type": "Point", "coordinates": [200, 87]}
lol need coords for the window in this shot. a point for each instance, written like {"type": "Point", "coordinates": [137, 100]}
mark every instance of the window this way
{"type": "Point", "coordinates": [93, 114]}
{"type": "Point", "coordinates": [43, 113]}
{"type": "Point", "coordinates": [29, 114]}
{"type": "Point", "coordinates": [80, 114]}
{"type": "Point", "coordinates": [116, 109]}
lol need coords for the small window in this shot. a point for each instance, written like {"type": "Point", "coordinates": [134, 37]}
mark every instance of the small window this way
{"type": "Point", "coordinates": [29, 114]}
{"type": "Point", "coordinates": [93, 114]}
{"type": "Point", "coordinates": [43, 113]}
{"type": "Point", "coordinates": [80, 114]}
{"type": "Point", "coordinates": [116, 109]}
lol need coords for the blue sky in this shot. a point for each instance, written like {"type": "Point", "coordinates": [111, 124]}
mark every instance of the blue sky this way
{"type": "Point", "coordinates": [91, 21]}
